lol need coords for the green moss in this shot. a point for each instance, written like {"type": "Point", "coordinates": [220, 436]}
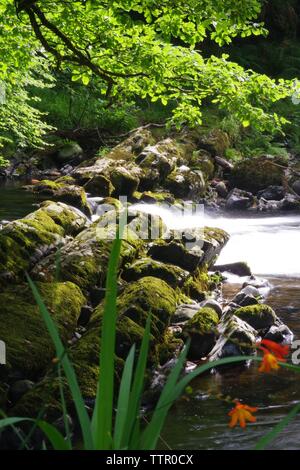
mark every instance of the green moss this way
{"type": "Point", "coordinates": [65, 180]}
{"type": "Point", "coordinates": [202, 331]}
{"type": "Point", "coordinates": [146, 295]}
{"type": "Point", "coordinates": [29, 346]}
{"type": "Point", "coordinates": [19, 241]}
{"type": "Point", "coordinates": [203, 322]}
{"type": "Point", "coordinates": [259, 316]}
{"type": "Point", "coordinates": [84, 259]}
{"type": "Point", "coordinates": [151, 196]}
{"type": "Point", "coordinates": [171, 274]}
{"type": "Point", "coordinates": [65, 216]}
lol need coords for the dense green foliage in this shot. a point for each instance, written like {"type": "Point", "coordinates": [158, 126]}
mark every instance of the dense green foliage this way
{"type": "Point", "coordinates": [133, 48]}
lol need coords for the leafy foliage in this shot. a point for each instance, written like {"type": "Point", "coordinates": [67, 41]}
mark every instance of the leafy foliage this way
{"type": "Point", "coordinates": [21, 67]}
{"type": "Point", "coordinates": [150, 49]}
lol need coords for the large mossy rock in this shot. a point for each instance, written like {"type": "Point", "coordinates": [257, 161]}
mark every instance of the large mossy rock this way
{"type": "Point", "coordinates": [132, 146]}
{"type": "Point", "coordinates": [24, 241]}
{"type": "Point", "coordinates": [186, 183]}
{"type": "Point", "coordinates": [159, 160]}
{"type": "Point", "coordinates": [99, 185]}
{"type": "Point", "coordinates": [190, 249]}
{"type": "Point", "coordinates": [255, 174]}
{"type": "Point", "coordinates": [259, 316]}
{"type": "Point", "coordinates": [123, 175]}
{"type": "Point", "coordinates": [68, 152]}
{"type": "Point", "coordinates": [84, 259]}
{"type": "Point", "coordinates": [202, 331]}
{"type": "Point", "coordinates": [63, 192]}
{"type": "Point", "coordinates": [29, 348]}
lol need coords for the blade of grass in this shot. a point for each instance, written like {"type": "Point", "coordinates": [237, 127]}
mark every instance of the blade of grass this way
{"type": "Point", "coordinates": [68, 369]}
{"type": "Point", "coordinates": [64, 407]}
{"type": "Point", "coordinates": [137, 390]}
{"type": "Point", "coordinates": [103, 412]}
{"type": "Point", "coordinates": [54, 436]}
{"type": "Point", "coordinates": [152, 432]}
{"type": "Point", "coordinates": [270, 436]}
{"type": "Point", "coordinates": [123, 399]}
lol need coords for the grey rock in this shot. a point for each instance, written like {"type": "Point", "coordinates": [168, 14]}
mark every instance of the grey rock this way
{"type": "Point", "coordinates": [239, 200]}
{"type": "Point", "coordinates": [296, 187]}
{"type": "Point", "coordinates": [236, 338]}
{"type": "Point", "coordinates": [239, 268]}
{"type": "Point", "coordinates": [185, 312]}
{"type": "Point", "coordinates": [211, 303]}
{"type": "Point", "coordinates": [221, 189]}
{"type": "Point", "coordinates": [272, 193]}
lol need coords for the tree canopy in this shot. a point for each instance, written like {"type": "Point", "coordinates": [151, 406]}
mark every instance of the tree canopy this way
{"type": "Point", "coordinates": [147, 48]}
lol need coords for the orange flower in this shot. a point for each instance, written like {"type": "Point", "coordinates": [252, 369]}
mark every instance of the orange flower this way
{"type": "Point", "coordinates": [269, 363]}
{"type": "Point", "coordinates": [273, 353]}
{"type": "Point", "coordinates": [278, 350]}
{"type": "Point", "coordinates": [241, 414]}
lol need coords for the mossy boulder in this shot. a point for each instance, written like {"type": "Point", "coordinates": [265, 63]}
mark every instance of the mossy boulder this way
{"type": "Point", "coordinates": [68, 152]}
{"type": "Point", "coordinates": [67, 193]}
{"type": "Point", "coordinates": [186, 183]}
{"type": "Point", "coordinates": [197, 285]}
{"type": "Point", "coordinates": [148, 294]}
{"type": "Point", "coordinates": [67, 179]}
{"type": "Point", "coordinates": [203, 161]}
{"type": "Point", "coordinates": [159, 160]}
{"type": "Point", "coordinates": [134, 306]}
{"type": "Point", "coordinates": [84, 259]}
{"type": "Point", "coordinates": [153, 197]}
{"type": "Point", "coordinates": [171, 274]}
{"type": "Point", "coordinates": [99, 185]}
{"type": "Point", "coordinates": [68, 217]}
{"type": "Point", "coordinates": [259, 316]}
{"type": "Point", "coordinates": [255, 174]}
{"type": "Point", "coordinates": [123, 175]}
{"type": "Point", "coordinates": [125, 181]}
{"type": "Point", "coordinates": [215, 141]}
{"type": "Point", "coordinates": [24, 241]}
{"type": "Point", "coordinates": [202, 331]}
{"type": "Point", "coordinates": [132, 146]}
{"type": "Point", "coordinates": [29, 348]}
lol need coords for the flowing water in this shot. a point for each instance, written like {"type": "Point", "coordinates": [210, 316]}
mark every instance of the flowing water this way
{"type": "Point", "coordinates": [271, 246]}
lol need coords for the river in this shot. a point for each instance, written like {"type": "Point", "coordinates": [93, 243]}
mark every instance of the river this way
{"type": "Point", "coordinates": [271, 246]}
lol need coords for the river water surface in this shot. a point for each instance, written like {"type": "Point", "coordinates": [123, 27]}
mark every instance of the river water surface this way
{"type": "Point", "coordinates": [271, 246]}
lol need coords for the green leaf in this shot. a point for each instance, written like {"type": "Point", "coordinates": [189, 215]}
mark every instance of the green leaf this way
{"type": "Point", "coordinates": [123, 401]}
{"type": "Point", "coordinates": [103, 411]}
